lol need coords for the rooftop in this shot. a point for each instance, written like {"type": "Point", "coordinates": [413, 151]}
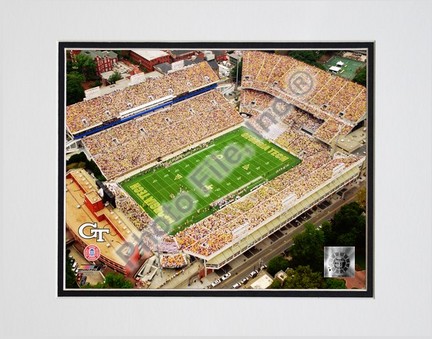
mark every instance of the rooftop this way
{"type": "Point", "coordinates": [262, 283]}
{"type": "Point", "coordinates": [149, 54]}
{"type": "Point", "coordinates": [181, 52]}
{"type": "Point", "coordinates": [353, 141]}
{"type": "Point", "coordinates": [79, 185]}
{"type": "Point", "coordinates": [101, 54]}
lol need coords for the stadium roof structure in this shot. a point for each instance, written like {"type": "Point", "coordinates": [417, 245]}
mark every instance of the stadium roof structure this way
{"type": "Point", "coordinates": [214, 65]}
{"type": "Point", "coordinates": [352, 141]}
{"type": "Point", "coordinates": [164, 67]}
{"type": "Point", "coordinates": [149, 54]}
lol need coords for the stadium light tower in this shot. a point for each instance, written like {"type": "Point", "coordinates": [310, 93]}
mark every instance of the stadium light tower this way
{"type": "Point", "coordinates": [237, 67]}
{"type": "Point", "coordinates": [334, 143]}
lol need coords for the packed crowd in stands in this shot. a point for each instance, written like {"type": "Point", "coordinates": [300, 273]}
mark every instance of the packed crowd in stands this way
{"type": "Point", "coordinates": [216, 232]}
{"type": "Point", "coordinates": [153, 237]}
{"type": "Point", "coordinates": [331, 108]}
{"type": "Point", "coordinates": [133, 144]}
{"type": "Point", "coordinates": [86, 114]}
{"type": "Point", "coordinates": [325, 128]}
{"type": "Point", "coordinates": [129, 207]}
{"type": "Point", "coordinates": [330, 129]}
{"type": "Point", "coordinates": [299, 144]}
{"type": "Point", "coordinates": [330, 96]}
{"type": "Point", "coordinates": [173, 260]}
{"type": "Point", "coordinates": [294, 139]}
{"type": "Point", "coordinates": [167, 244]}
{"type": "Point", "coordinates": [299, 119]}
{"type": "Point", "coordinates": [254, 102]}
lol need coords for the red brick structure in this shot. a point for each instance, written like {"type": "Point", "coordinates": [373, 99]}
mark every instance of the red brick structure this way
{"type": "Point", "coordinates": [104, 60]}
{"type": "Point", "coordinates": [149, 58]}
{"type": "Point", "coordinates": [220, 55]}
{"type": "Point", "coordinates": [73, 53]}
{"type": "Point", "coordinates": [177, 55]}
{"type": "Point", "coordinates": [84, 205]}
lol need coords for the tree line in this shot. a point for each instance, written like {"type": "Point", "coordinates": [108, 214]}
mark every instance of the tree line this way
{"type": "Point", "coordinates": [82, 69]}
{"type": "Point", "coordinates": [305, 265]}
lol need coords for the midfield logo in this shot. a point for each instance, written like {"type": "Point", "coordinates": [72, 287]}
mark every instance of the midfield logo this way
{"type": "Point", "coordinates": [94, 231]}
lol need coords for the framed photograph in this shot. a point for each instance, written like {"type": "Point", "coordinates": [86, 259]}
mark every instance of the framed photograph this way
{"type": "Point", "coordinates": [216, 169]}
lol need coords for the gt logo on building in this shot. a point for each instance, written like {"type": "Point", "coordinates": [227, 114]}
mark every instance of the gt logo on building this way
{"type": "Point", "coordinates": [94, 231]}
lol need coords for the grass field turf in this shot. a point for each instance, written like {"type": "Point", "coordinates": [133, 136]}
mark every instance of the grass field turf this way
{"type": "Point", "coordinates": [160, 186]}
{"type": "Point", "coordinates": [349, 69]}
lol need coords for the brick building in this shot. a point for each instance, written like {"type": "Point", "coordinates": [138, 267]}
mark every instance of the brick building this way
{"type": "Point", "coordinates": [85, 205]}
{"type": "Point", "coordinates": [220, 55]}
{"type": "Point", "coordinates": [177, 55]}
{"type": "Point", "coordinates": [104, 60]}
{"type": "Point", "coordinates": [149, 58]}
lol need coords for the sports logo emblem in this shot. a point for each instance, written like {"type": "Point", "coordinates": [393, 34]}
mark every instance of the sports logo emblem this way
{"type": "Point", "coordinates": [339, 262]}
{"type": "Point", "coordinates": [94, 231]}
{"type": "Point", "coordinates": [91, 253]}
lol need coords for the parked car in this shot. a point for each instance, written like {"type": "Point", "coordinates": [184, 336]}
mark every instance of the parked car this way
{"type": "Point", "coordinates": [253, 274]}
{"type": "Point", "coordinates": [226, 276]}
{"type": "Point", "coordinates": [236, 285]}
{"type": "Point", "coordinates": [215, 283]}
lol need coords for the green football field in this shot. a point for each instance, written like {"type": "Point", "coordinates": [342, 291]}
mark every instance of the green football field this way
{"type": "Point", "coordinates": [186, 191]}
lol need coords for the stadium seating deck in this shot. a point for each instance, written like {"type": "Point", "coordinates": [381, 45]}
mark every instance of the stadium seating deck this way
{"type": "Point", "coordinates": [86, 114]}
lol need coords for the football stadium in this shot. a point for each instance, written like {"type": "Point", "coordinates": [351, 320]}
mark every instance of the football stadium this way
{"type": "Point", "coordinates": [161, 185]}
{"type": "Point", "coordinates": [190, 174]}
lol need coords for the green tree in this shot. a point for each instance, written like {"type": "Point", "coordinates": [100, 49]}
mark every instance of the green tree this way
{"type": "Point", "coordinates": [308, 248]}
{"type": "Point", "coordinates": [329, 235]}
{"type": "Point", "coordinates": [275, 284]}
{"type": "Point", "coordinates": [74, 90]}
{"type": "Point", "coordinates": [360, 76]}
{"type": "Point", "coordinates": [310, 57]}
{"type": "Point", "coordinates": [347, 239]}
{"type": "Point", "coordinates": [143, 69]}
{"type": "Point", "coordinates": [86, 66]}
{"type": "Point", "coordinates": [116, 280]}
{"type": "Point", "coordinates": [70, 67]}
{"type": "Point", "coordinates": [114, 77]}
{"type": "Point", "coordinates": [337, 284]}
{"type": "Point", "coordinates": [302, 277]}
{"type": "Point", "coordinates": [348, 228]}
{"type": "Point", "coordinates": [97, 83]}
{"type": "Point", "coordinates": [350, 218]}
{"type": "Point", "coordinates": [113, 280]}
{"type": "Point", "coordinates": [277, 264]}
